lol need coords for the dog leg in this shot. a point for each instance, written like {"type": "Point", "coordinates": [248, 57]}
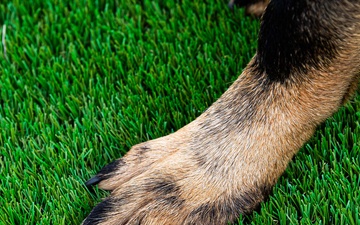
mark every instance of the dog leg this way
{"type": "Point", "coordinates": [226, 161]}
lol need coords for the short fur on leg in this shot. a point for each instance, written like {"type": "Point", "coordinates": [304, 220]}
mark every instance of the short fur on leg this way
{"type": "Point", "coordinates": [226, 161]}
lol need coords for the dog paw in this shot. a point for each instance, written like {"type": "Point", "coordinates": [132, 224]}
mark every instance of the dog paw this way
{"type": "Point", "coordinates": [170, 180]}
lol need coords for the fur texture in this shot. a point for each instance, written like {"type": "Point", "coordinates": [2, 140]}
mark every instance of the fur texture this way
{"type": "Point", "coordinates": [226, 161]}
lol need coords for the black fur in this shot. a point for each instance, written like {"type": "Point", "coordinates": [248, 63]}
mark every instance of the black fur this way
{"type": "Point", "coordinates": [167, 192]}
{"type": "Point", "coordinates": [204, 213]}
{"type": "Point", "coordinates": [99, 213]}
{"type": "Point", "coordinates": [296, 35]}
{"type": "Point", "coordinates": [108, 206]}
{"type": "Point", "coordinates": [231, 206]}
{"type": "Point", "coordinates": [163, 187]}
{"type": "Point", "coordinates": [247, 202]}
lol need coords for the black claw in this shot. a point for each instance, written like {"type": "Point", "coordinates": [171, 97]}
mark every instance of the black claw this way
{"type": "Point", "coordinates": [105, 172]}
{"type": "Point", "coordinates": [93, 181]}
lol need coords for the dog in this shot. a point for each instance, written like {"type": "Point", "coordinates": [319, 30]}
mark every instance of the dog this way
{"type": "Point", "coordinates": [226, 162]}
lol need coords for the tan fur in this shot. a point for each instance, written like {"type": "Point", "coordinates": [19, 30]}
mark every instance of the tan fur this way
{"type": "Point", "coordinates": [258, 8]}
{"type": "Point", "coordinates": [215, 157]}
{"type": "Point", "coordinates": [256, 155]}
{"type": "Point", "coordinates": [255, 9]}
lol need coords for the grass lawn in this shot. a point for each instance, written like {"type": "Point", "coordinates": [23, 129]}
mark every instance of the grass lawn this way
{"type": "Point", "coordinates": [83, 81]}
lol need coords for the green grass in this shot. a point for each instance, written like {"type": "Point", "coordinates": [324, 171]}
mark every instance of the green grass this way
{"type": "Point", "coordinates": [86, 80]}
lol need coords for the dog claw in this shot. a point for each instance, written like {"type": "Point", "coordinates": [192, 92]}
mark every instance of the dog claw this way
{"type": "Point", "coordinates": [93, 181]}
